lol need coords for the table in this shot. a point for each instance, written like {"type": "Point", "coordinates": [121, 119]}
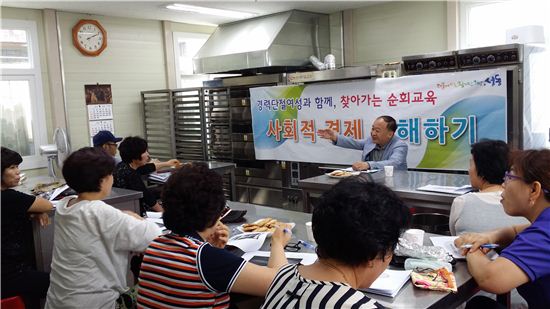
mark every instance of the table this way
{"type": "Point", "coordinates": [403, 183]}
{"type": "Point", "coordinates": [122, 199]}
{"type": "Point", "coordinates": [408, 297]}
{"type": "Point", "coordinates": [219, 167]}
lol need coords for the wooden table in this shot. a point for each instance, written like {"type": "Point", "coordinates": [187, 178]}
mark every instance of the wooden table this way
{"type": "Point", "coordinates": [408, 297]}
{"type": "Point", "coordinates": [403, 183]}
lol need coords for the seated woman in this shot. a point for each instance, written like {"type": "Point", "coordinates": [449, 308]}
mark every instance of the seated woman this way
{"type": "Point", "coordinates": [356, 226]}
{"type": "Point", "coordinates": [525, 261]}
{"type": "Point", "coordinates": [135, 162]}
{"type": "Point", "coordinates": [188, 268]}
{"type": "Point", "coordinates": [19, 274]}
{"type": "Point", "coordinates": [92, 240]}
{"type": "Point", "coordinates": [481, 211]}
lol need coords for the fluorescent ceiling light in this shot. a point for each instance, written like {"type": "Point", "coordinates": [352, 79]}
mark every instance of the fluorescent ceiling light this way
{"type": "Point", "coordinates": [209, 11]}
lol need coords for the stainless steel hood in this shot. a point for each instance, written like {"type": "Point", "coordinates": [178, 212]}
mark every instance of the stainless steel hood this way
{"type": "Point", "coordinates": [266, 44]}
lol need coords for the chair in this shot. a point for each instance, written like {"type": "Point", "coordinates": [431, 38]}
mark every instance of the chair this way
{"type": "Point", "coordinates": [431, 223]}
{"type": "Point", "coordinates": [15, 302]}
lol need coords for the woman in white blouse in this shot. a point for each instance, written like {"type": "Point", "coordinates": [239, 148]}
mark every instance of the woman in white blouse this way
{"type": "Point", "coordinates": [481, 211]}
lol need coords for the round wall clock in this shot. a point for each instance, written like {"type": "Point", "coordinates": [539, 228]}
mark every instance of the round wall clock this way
{"type": "Point", "coordinates": [89, 37]}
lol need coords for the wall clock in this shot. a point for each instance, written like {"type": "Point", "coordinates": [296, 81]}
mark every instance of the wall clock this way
{"type": "Point", "coordinates": [89, 37]}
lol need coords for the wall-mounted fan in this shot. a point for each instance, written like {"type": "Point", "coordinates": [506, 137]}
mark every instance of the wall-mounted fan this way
{"type": "Point", "coordinates": [56, 153]}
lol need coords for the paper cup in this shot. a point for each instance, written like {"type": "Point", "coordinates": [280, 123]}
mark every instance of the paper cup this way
{"type": "Point", "coordinates": [309, 231]}
{"type": "Point", "coordinates": [388, 170]}
{"type": "Point", "coordinates": [414, 236]}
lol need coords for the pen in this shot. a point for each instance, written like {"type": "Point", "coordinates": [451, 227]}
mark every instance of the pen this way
{"type": "Point", "coordinates": [307, 244]}
{"type": "Point", "coordinates": [486, 246]}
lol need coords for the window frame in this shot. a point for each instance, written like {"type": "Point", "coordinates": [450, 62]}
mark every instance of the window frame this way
{"type": "Point", "coordinates": [34, 76]}
{"type": "Point", "coordinates": [464, 21]}
{"type": "Point", "coordinates": [176, 36]}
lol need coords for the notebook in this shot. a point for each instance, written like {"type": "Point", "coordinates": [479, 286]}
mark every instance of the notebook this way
{"type": "Point", "coordinates": [446, 189]}
{"type": "Point", "coordinates": [390, 282]}
{"type": "Point", "coordinates": [159, 177]}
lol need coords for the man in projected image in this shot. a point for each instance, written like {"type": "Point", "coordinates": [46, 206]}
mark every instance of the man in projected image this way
{"type": "Point", "coordinates": [382, 148]}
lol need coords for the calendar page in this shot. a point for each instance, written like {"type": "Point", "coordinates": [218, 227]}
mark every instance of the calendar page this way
{"type": "Point", "coordinates": [99, 106]}
{"type": "Point", "coordinates": [100, 125]}
{"type": "Point", "coordinates": [100, 111]}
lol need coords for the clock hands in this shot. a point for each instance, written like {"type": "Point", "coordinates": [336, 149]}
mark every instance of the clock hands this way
{"type": "Point", "coordinates": [88, 38]}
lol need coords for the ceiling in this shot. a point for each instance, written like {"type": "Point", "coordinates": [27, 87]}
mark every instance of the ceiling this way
{"type": "Point", "coordinates": [156, 9]}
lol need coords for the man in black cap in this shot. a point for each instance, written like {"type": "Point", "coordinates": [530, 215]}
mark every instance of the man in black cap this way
{"type": "Point", "coordinates": [107, 141]}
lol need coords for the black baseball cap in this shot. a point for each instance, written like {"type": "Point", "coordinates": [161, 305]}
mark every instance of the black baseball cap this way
{"type": "Point", "coordinates": [103, 137]}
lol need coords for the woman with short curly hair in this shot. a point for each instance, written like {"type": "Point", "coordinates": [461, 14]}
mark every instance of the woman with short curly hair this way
{"type": "Point", "coordinates": [356, 226]}
{"type": "Point", "coordinates": [92, 240]}
{"type": "Point", "coordinates": [188, 268]}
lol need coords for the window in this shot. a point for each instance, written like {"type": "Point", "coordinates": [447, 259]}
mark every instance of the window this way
{"type": "Point", "coordinates": [22, 117]}
{"type": "Point", "coordinates": [485, 24]}
{"type": "Point", "coordinates": [186, 45]}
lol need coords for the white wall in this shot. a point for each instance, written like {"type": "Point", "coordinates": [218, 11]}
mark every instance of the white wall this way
{"type": "Point", "coordinates": [385, 32]}
{"type": "Point", "coordinates": [132, 62]}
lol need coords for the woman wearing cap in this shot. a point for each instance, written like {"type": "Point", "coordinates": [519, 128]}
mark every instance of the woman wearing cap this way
{"type": "Point", "coordinates": [525, 261]}
{"type": "Point", "coordinates": [19, 274]}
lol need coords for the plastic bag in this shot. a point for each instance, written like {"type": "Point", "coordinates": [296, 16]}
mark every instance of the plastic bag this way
{"type": "Point", "coordinates": [438, 280]}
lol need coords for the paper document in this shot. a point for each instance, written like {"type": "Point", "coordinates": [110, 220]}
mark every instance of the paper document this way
{"type": "Point", "coordinates": [447, 243]}
{"type": "Point", "coordinates": [248, 242]}
{"type": "Point", "coordinates": [350, 169]}
{"type": "Point", "coordinates": [154, 214]}
{"type": "Point", "coordinates": [58, 191]}
{"type": "Point", "coordinates": [446, 189]}
{"type": "Point", "coordinates": [159, 223]}
{"type": "Point", "coordinates": [261, 257]}
{"type": "Point", "coordinates": [390, 282]}
{"type": "Point", "coordinates": [160, 177]}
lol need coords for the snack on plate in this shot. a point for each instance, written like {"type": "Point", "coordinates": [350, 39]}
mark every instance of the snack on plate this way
{"type": "Point", "coordinates": [262, 225]}
{"type": "Point", "coordinates": [340, 173]}
{"type": "Point", "coordinates": [45, 187]}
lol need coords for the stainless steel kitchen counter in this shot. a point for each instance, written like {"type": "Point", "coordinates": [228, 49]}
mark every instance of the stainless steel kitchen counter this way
{"type": "Point", "coordinates": [408, 297]}
{"type": "Point", "coordinates": [403, 183]}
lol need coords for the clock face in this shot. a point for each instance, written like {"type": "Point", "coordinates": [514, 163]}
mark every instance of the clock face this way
{"type": "Point", "coordinates": [90, 37]}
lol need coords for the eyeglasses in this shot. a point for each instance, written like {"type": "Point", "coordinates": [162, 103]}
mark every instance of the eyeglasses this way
{"type": "Point", "coordinates": [509, 176]}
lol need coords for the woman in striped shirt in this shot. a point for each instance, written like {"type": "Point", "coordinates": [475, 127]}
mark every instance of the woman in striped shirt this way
{"type": "Point", "coordinates": [189, 268]}
{"type": "Point", "coordinates": [356, 226]}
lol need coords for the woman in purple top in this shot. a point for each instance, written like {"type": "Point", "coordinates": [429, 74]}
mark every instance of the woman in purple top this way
{"type": "Point", "coordinates": [525, 262]}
